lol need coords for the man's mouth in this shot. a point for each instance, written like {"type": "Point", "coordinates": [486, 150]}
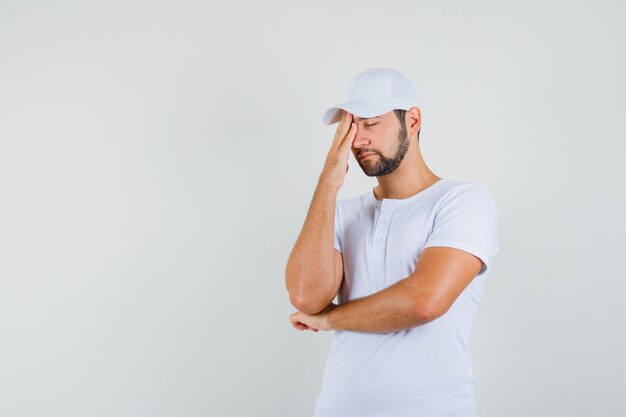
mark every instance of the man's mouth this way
{"type": "Point", "coordinates": [365, 155]}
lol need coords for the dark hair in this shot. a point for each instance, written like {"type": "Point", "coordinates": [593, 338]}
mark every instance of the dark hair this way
{"type": "Point", "coordinates": [400, 113]}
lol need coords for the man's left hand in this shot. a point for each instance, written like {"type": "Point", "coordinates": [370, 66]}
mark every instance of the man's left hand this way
{"type": "Point", "coordinates": [302, 321]}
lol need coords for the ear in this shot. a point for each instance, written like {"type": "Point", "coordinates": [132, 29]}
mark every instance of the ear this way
{"type": "Point", "coordinates": [413, 120]}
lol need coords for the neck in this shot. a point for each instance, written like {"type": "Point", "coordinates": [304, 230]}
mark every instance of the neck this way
{"type": "Point", "coordinates": [411, 177]}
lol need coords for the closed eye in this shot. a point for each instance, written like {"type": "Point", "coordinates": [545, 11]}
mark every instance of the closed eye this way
{"type": "Point", "coordinates": [371, 124]}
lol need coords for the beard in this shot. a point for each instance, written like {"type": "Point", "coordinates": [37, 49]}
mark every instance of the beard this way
{"type": "Point", "coordinates": [377, 167]}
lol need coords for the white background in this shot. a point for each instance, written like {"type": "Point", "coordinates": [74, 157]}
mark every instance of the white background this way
{"type": "Point", "coordinates": [157, 160]}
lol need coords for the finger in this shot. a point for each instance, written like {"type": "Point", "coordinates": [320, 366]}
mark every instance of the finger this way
{"type": "Point", "coordinates": [301, 326]}
{"type": "Point", "coordinates": [344, 126]}
{"type": "Point", "coordinates": [342, 122]}
{"type": "Point", "coordinates": [349, 138]}
{"type": "Point", "coordinates": [306, 326]}
{"type": "Point", "coordinates": [344, 118]}
{"type": "Point", "coordinates": [347, 122]}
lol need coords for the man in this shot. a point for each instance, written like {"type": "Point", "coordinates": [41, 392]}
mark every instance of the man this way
{"type": "Point", "coordinates": [408, 261]}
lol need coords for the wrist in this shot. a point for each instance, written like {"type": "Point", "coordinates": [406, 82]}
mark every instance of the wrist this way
{"type": "Point", "coordinates": [328, 317]}
{"type": "Point", "coordinates": [327, 185]}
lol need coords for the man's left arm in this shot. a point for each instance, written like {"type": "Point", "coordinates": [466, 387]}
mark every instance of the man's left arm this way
{"type": "Point", "coordinates": [440, 275]}
{"type": "Point", "coordinates": [461, 245]}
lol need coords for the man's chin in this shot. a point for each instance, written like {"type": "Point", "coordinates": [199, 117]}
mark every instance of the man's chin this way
{"type": "Point", "coordinates": [369, 172]}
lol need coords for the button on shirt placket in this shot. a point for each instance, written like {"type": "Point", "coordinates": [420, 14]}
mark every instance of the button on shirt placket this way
{"type": "Point", "coordinates": [381, 230]}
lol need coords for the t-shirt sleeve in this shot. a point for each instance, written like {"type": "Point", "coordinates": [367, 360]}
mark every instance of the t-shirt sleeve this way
{"type": "Point", "coordinates": [337, 230]}
{"type": "Point", "coordinates": [467, 219]}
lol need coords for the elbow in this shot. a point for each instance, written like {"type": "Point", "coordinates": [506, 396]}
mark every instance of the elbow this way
{"type": "Point", "coordinates": [423, 315]}
{"type": "Point", "coordinates": [426, 312]}
{"type": "Point", "coordinates": [305, 304]}
{"type": "Point", "coordinates": [296, 292]}
{"type": "Point", "coordinates": [307, 299]}
{"type": "Point", "coordinates": [297, 301]}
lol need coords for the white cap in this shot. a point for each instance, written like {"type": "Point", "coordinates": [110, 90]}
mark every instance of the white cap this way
{"type": "Point", "coordinates": [374, 92]}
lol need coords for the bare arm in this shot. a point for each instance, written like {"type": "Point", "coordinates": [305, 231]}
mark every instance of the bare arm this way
{"type": "Point", "coordinates": [310, 269]}
{"type": "Point", "coordinates": [312, 275]}
{"type": "Point", "coordinates": [440, 276]}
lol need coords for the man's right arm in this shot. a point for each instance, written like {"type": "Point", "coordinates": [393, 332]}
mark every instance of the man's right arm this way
{"type": "Point", "coordinates": [314, 269]}
{"type": "Point", "coordinates": [311, 274]}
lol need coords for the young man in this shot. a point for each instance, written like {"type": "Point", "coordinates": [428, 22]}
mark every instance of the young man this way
{"type": "Point", "coordinates": [408, 261]}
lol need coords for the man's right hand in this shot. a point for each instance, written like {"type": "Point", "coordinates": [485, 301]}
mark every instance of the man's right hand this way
{"type": "Point", "coordinates": [336, 165]}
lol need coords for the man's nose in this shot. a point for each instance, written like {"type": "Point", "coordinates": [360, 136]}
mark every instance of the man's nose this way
{"type": "Point", "coordinates": [359, 139]}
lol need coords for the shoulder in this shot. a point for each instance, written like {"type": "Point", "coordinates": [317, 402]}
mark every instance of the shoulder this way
{"type": "Point", "coordinates": [462, 193]}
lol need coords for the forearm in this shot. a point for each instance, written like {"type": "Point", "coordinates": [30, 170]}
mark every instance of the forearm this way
{"type": "Point", "coordinates": [393, 309]}
{"type": "Point", "coordinates": [310, 269]}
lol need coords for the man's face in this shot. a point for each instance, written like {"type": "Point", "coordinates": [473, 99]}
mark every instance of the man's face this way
{"type": "Point", "coordinates": [383, 137]}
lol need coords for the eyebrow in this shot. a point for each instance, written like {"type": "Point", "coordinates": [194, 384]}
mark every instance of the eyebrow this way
{"type": "Point", "coordinates": [358, 119]}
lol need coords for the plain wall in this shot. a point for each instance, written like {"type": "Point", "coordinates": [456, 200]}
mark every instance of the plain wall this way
{"type": "Point", "coordinates": [157, 160]}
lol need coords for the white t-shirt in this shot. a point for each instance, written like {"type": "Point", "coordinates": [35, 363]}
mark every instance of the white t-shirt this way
{"type": "Point", "coordinates": [424, 371]}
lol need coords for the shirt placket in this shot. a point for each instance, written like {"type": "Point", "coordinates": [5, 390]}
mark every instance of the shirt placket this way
{"type": "Point", "coordinates": [381, 229]}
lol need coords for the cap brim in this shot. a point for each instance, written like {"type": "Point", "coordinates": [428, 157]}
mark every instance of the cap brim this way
{"type": "Point", "coordinates": [358, 108]}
